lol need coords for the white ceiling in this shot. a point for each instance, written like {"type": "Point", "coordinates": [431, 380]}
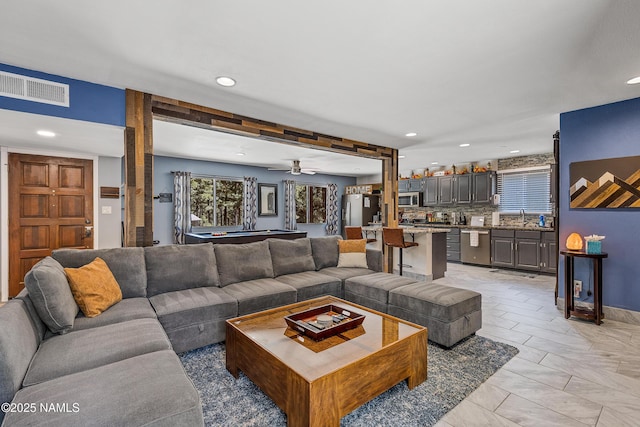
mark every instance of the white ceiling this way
{"type": "Point", "coordinates": [492, 73]}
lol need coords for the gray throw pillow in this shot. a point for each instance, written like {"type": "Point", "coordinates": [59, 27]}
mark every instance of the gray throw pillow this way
{"type": "Point", "coordinates": [325, 251]}
{"type": "Point", "coordinates": [51, 295]}
{"type": "Point", "coordinates": [291, 256]}
{"type": "Point", "coordinates": [239, 263]}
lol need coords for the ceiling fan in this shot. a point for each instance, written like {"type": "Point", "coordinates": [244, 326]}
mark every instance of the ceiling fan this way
{"type": "Point", "coordinates": [295, 169]}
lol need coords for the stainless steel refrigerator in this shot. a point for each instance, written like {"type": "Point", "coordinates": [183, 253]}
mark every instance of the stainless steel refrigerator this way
{"type": "Point", "coordinates": [359, 210]}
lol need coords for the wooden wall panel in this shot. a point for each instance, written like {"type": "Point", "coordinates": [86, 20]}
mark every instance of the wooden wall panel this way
{"type": "Point", "coordinates": [142, 108]}
{"type": "Point", "coordinates": [138, 151]}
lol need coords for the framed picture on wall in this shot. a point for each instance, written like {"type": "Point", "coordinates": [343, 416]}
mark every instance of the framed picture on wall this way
{"type": "Point", "coordinates": [605, 183]}
{"type": "Point", "coordinates": [267, 199]}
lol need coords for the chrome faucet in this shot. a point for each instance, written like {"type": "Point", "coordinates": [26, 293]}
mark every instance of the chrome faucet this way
{"type": "Point", "coordinates": [522, 216]}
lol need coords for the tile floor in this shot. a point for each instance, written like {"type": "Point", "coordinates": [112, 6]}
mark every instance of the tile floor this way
{"type": "Point", "coordinates": [568, 372]}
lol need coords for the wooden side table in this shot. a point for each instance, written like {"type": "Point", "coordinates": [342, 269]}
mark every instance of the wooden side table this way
{"type": "Point", "coordinates": [569, 307]}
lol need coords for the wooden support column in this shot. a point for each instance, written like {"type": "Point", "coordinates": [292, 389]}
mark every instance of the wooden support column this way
{"type": "Point", "coordinates": [138, 163]}
{"type": "Point", "coordinates": [390, 202]}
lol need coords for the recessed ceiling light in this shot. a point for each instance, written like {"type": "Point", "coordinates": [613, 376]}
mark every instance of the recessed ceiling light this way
{"type": "Point", "coordinates": [464, 145]}
{"type": "Point", "coordinates": [514, 151]}
{"type": "Point", "coordinates": [240, 154]}
{"type": "Point", "coordinates": [401, 157]}
{"type": "Point", "coordinates": [46, 133]}
{"type": "Point", "coordinates": [633, 81]}
{"type": "Point", "coordinates": [410, 134]}
{"type": "Point", "coordinates": [434, 163]}
{"type": "Point", "coordinates": [225, 81]}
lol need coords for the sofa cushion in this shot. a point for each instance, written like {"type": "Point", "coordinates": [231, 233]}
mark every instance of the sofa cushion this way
{"type": "Point", "coordinates": [126, 264]}
{"type": "Point", "coordinates": [239, 263]}
{"type": "Point", "coordinates": [260, 294]}
{"type": "Point", "coordinates": [93, 287]}
{"type": "Point", "coordinates": [372, 290]}
{"type": "Point", "coordinates": [176, 267]}
{"type": "Point", "coordinates": [194, 317]}
{"type": "Point", "coordinates": [146, 390]}
{"type": "Point", "coordinates": [325, 251]}
{"type": "Point", "coordinates": [87, 349]}
{"type": "Point", "coordinates": [125, 310]}
{"type": "Point", "coordinates": [352, 253]}
{"type": "Point", "coordinates": [291, 256]}
{"type": "Point", "coordinates": [51, 296]}
{"type": "Point", "coordinates": [344, 273]}
{"type": "Point", "coordinates": [19, 341]}
{"type": "Point", "coordinates": [312, 284]}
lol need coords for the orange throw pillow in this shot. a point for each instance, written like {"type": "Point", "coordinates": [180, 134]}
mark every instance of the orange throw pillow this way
{"type": "Point", "coordinates": [352, 253]}
{"type": "Point", "coordinates": [93, 287]}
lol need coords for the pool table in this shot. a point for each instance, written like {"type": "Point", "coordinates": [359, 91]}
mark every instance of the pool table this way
{"type": "Point", "coordinates": [243, 236]}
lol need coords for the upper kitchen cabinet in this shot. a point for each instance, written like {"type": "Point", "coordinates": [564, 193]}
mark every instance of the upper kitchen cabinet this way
{"type": "Point", "coordinates": [484, 187]}
{"type": "Point", "coordinates": [410, 185]}
{"type": "Point", "coordinates": [463, 188]}
{"type": "Point", "coordinates": [459, 189]}
{"type": "Point", "coordinates": [431, 196]}
{"type": "Point", "coordinates": [446, 189]}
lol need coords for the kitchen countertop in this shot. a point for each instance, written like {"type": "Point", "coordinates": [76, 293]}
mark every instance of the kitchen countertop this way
{"type": "Point", "coordinates": [411, 229]}
{"type": "Point", "coordinates": [485, 227]}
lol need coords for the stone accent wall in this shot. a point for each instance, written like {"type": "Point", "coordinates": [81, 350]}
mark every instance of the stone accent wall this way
{"type": "Point", "coordinates": [525, 161]}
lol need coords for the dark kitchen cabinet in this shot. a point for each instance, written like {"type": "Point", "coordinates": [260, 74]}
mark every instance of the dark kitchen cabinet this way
{"type": "Point", "coordinates": [548, 252]}
{"type": "Point", "coordinates": [502, 248]}
{"type": "Point", "coordinates": [532, 250]}
{"type": "Point", "coordinates": [430, 197]}
{"type": "Point", "coordinates": [416, 185]}
{"type": "Point", "coordinates": [463, 189]}
{"type": "Point", "coordinates": [453, 245]}
{"type": "Point", "coordinates": [483, 187]}
{"type": "Point", "coordinates": [527, 246]}
{"type": "Point", "coordinates": [410, 185]}
{"type": "Point", "coordinates": [446, 189]}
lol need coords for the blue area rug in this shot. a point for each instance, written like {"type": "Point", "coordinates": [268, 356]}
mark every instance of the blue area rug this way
{"type": "Point", "coordinates": [452, 375]}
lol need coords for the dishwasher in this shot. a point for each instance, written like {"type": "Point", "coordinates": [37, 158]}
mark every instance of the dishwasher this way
{"type": "Point", "coordinates": [475, 251]}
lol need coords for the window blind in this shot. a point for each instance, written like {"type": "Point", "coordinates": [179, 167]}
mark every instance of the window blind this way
{"type": "Point", "coordinates": [528, 190]}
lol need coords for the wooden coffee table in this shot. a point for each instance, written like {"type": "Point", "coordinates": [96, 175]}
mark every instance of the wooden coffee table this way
{"type": "Point", "coordinates": [318, 382]}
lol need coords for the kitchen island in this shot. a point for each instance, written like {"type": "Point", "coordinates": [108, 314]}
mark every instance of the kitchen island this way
{"type": "Point", "coordinates": [428, 260]}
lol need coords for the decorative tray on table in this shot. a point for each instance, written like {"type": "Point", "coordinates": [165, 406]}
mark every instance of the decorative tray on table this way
{"type": "Point", "coordinates": [325, 321]}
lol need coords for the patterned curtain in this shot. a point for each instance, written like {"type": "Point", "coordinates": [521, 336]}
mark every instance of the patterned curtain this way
{"type": "Point", "coordinates": [181, 205]}
{"type": "Point", "coordinates": [250, 203]}
{"type": "Point", "coordinates": [333, 210]}
{"type": "Point", "coordinates": [290, 205]}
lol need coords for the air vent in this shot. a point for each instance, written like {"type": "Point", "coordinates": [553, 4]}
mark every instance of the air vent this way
{"type": "Point", "coordinates": [31, 89]}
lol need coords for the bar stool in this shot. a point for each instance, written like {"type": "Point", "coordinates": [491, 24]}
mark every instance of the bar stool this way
{"type": "Point", "coordinates": [354, 232]}
{"type": "Point", "coordinates": [394, 237]}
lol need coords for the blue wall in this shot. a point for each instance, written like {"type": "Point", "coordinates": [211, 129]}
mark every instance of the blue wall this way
{"type": "Point", "coordinates": [602, 132]}
{"type": "Point", "coordinates": [87, 101]}
{"type": "Point", "coordinates": [163, 183]}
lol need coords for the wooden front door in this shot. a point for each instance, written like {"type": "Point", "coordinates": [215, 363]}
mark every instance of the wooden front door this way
{"type": "Point", "coordinates": [50, 207]}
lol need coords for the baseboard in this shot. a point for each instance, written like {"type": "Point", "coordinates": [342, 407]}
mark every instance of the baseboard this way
{"type": "Point", "coordinates": [613, 313]}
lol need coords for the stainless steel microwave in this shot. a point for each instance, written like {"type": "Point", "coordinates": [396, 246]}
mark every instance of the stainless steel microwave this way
{"type": "Point", "coordinates": [410, 199]}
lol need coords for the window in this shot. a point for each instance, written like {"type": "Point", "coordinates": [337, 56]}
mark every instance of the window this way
{"type": "Point", "coordinates": [525, 189]}
{"type": "Point", "coordinates": [216, 202]}
{"type": "Point", "coordinates": [311, 204]}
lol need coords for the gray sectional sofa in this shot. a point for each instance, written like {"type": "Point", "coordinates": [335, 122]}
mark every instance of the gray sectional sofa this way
{"type": "Point", "coordinates": [121, 367]}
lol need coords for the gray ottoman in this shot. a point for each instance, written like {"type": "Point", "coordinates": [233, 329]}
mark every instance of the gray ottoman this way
{"type": "Point", "coordinates": [450, 314]}
{"type": "Point", "coordinates": [372, 290]}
